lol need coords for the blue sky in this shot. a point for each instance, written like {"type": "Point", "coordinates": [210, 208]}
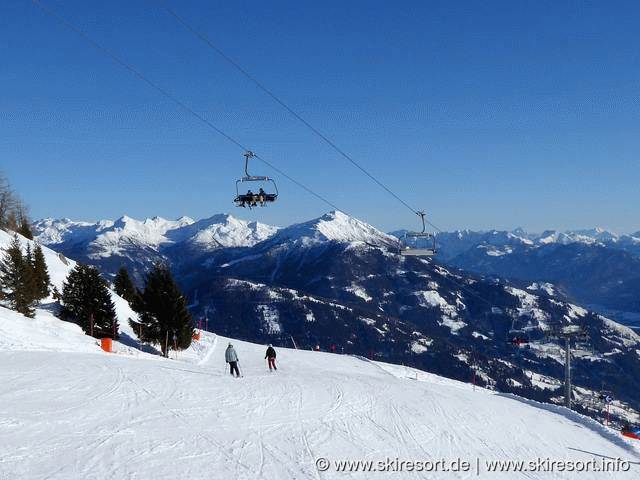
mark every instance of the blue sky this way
{"type": "Point", "coordinates": [484, 114]}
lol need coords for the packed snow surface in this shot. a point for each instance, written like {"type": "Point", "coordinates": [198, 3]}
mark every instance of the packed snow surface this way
{"type": "Point", "coordinates": [71, 411]}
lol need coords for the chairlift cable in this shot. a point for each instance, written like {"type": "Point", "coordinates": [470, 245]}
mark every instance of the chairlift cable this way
{"type": "Point", "coordinates": [137, 73]}
{"type": "Point", "coordinates": [185, 107]}
{"type": "Point", "coordinates": [167, 94]}
{"type": "Point", "coordinates": [308, 190]}
{"type": "Point", "coordinates": [262, 87]}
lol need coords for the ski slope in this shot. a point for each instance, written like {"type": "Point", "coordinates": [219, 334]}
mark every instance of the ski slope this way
{"type": "Point", "coordinates": [68, 410]}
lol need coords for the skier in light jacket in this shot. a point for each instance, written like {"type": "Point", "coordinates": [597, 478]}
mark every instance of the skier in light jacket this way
{"type": "Point", "coordinates": [231, 357]}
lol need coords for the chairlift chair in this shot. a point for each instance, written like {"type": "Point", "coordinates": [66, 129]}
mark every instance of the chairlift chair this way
{"type": "Point", "coordinates": [419, 244]}
{"type": "Point", "coordinates": [518, 336]}
{"type": "Point", "coordinates": [519, 340]}
{"type": "Point", "coordinates": [253, 199]}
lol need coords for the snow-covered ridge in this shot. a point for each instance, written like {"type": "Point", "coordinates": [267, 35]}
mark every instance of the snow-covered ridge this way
{"type": "Point", "coordinates": [107, 237]}
{"type": "Point", "coordinates": [111, 237]}
{"type": "Point", "coordinates": [152, 230]}
{"type": "Point", "coordinates": [334, 226]}
{"type": "Point", "coordinates": [502, 244]}
{"type": "Point", "coordinates": [589, 237]}
{"type": "Point", "coordinates": [519, 236]}
{"type": "Point", "coordinates": [131, 238]}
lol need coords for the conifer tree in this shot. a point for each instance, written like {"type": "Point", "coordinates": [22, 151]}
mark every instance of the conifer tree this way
{"type": "Point", "coordinates": [40, 274]}
{"type": "Point", "coordinates": [124, 287]}
{"type": "Point", "coordinates": [164, 313]}
{"type": "Point", "coordinates": [16, 280]}
{"type": "Point", "coordinates": [29, 280]}
{"type": "Point", "coordinates": [87, 302]}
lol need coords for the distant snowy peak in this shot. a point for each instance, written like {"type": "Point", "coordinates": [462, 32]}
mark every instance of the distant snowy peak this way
{"type": "Point", "coordinates": [334, 226]}
{"type": "Point", "coordinates": [497, 243]}
{"type": "Point", "coordinates": [111, 237]}
{"type": "Point", "coordinates": [107, 237]}
{"type": "Point", "coordinates": [338, 226]}
{"type": "Point", "coordinates": [588, 237]}
{"type": "Point", "coordinates": [520, 237]}
{"type": "Point", "coordinates": [227, 231]}
{"type": "Point", "coordinates": [50, 232]}
{"type": "Point", "coordinates": [152, 230]}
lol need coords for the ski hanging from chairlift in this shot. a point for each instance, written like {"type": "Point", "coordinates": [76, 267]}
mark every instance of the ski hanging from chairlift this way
{"type": "Point", "coordinates": [419, 244]}
{"type": "Point", "coordinates": [251, 182]}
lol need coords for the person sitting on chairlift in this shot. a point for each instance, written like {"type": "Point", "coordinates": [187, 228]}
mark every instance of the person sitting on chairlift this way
{"type": "Point", "coordinates": [251, 198]}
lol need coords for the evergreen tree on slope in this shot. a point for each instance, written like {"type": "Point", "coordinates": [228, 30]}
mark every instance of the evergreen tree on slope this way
{"type": "Point", "coordinates": [86, 301]}
{"type": "Point", "coordinates": [124, 287]}
{"type": "Point", "coordinates": [163, 312]}
{"type": "Point", "coordinates": [40, 273]}
{"type": "Point", "coordinates": [16, 280]}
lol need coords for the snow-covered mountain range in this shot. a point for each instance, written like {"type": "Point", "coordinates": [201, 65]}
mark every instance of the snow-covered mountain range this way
{"type": "Point", "coordinates": [592, 267]}
{"type": "Point", "coordinates": [137, 244]}
{"type": "Point", "coordinates": [595, 268]}
{"type": "Point", "coordinates": [339, 283]}
{"type": "Point", "coordinates": [114, 238]}
{"type": "Point", "coordinates": [452, 244]}
{"type": "Point", "coordinates": [111, 238]}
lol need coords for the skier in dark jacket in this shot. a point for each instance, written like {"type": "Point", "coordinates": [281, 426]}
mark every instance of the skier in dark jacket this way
{"type": "Point", "coordinates": [231, 357]}
{"type": "Point", "coordinates": [271, 357]}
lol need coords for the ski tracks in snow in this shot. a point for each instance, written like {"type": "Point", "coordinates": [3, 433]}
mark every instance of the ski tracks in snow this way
{"type": "Point", "coordinates": [98, 415]}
